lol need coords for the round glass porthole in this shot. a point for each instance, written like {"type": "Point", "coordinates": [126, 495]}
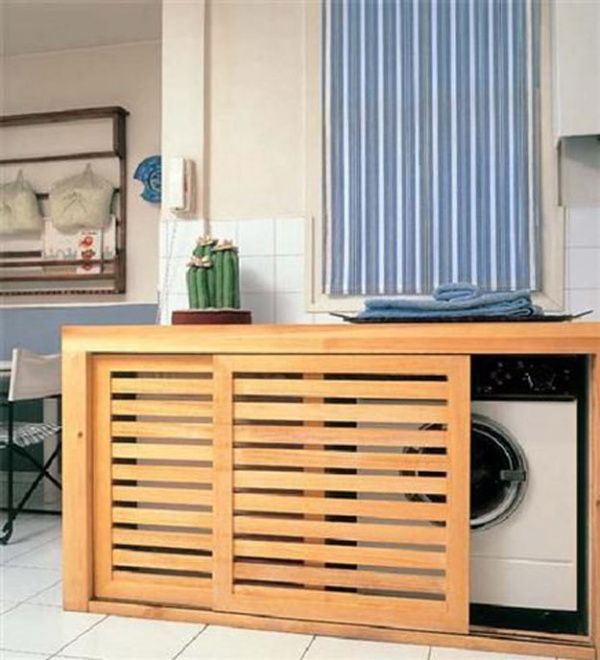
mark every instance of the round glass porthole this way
{"type": "Point", "coordinates": [498, 473]}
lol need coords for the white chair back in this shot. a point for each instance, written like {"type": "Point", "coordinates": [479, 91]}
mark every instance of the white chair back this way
{"type": "Point", "coordinates": [33, 376]}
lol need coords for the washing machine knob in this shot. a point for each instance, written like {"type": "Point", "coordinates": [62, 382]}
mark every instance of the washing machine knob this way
{"type": "Point", "coordinates": [540, 378]}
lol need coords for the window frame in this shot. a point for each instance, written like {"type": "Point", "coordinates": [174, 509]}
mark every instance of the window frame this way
{"type": "Point", "coordinates": [551, 297]}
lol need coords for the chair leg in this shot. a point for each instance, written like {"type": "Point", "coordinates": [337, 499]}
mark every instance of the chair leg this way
{"type": "Point", "coordinates": [7, 529]}
{"type": "Point", "coordinates": [43, 473]}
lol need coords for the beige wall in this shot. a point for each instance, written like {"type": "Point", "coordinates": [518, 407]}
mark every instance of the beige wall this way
{"type": "Point", "coordinates": [255, 109]}
{"type": "Point", "coordinates": [126, 75]}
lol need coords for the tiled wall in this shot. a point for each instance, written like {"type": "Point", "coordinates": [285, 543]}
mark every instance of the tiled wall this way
{"type": "Point", "coordinates": [583, 261]}
{"type": "Point", "coordinates": [272, 257]}
{"type": "Point", "coordinates": [272, 261]}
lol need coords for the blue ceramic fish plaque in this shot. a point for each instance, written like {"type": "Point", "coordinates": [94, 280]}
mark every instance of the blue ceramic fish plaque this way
{"type": "Point", "coordinates": [149, 173]}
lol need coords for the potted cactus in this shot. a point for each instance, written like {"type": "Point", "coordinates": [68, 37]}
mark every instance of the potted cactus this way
{"type": "Point", "coordinates": [213, 284]}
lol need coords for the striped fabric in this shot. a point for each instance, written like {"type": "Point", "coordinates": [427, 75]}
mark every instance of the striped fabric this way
{"type": "Point", "coordinates": [432, 141]}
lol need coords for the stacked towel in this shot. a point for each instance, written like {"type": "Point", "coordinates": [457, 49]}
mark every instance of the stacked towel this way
{"type": "Point", "coordinates": [453, 301]}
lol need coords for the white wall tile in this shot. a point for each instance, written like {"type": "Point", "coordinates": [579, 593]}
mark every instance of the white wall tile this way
{"type": "Point", "coordinates": [291, 308]}
{"type": "Point", "coordinates": [181, 235]}
{"type": "Point", "coordinates": [326, 319]}
{"type": "Point", "coordinates": [289, 274]}
{"type": "Point", "coordinates": [224, 230]}
{"type": "Point", "coordinates": [290, 236]}
{"type": "Point", "coordinates": [580, 300]}
{"type": "Point", "coordinates": [256, 237]}
{"type": "Point", "coordinates": [583, 227]}
{"type": "Point", "coordinates": [262, 306]}
{"type": "Point", "coordinates": [257, 274]}
{"type": "Point", "coordinates": [583, 268]}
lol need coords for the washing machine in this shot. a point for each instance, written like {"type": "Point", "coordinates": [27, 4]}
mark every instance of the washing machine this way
{"type": "Point", "coordinates": [528, 492]}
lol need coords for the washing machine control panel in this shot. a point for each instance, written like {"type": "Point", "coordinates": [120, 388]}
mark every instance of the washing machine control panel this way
{"type": "Point", "coordinates": [510, 375]}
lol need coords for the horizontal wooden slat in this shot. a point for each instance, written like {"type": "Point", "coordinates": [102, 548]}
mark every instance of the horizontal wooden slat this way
{"type": "Point", "coordinates": [180, 540]}
{"type": "Point", "coordinates": [165, 560]}
{"type": "Point", "coordinates": [319, 576]}
{"type": "Point", "coordinates": [341, 459]}
{"type": "Point", "coordinates": [343, 507]}
{"type": "Point", "coordinates": [167, 364]}
{"type": "Point", "coordinates": [176, 474]}
{"type": "Point", "coordinates": [321, 412]}
{"type": "Point", "coordinates": [382, 533]}
{"type": "Point", "coordinates": [193, 496]}
{"type": "Point", "coordinates": [163, 451]}
{"type": "Point", "coordinates": [162, 385]}
{"type": "Point", "coordinates": [406, 365]}
{"type": "Point", "coordinates": [338, 482]}
{"type": "Point", "coordinates": [157, 429]}
{"type": "Point", "coordinates": [166, 517]}
{"type": "Point", "coordinates": [161, 408]}
{"type": "Point", "coordinates": [378, 389]}
{"type": "Point", "coordinates": [340, 554]}
{"type": "Point", "coordinates": [310, 435]}
{"type": "Point", "coordinates": [190, 582]}
{"type": "Point", "coordinates": [139, 587]}
{"type": "Point", "coordinates": [325, 605]}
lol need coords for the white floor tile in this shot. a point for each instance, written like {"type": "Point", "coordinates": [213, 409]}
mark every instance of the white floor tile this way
{"type": "Point", "coordinates": [48, 555]}
{"type": "Point", "coordinates": [6, 605]}
{"type": "Point", "coordinates": [20, 583]}
{"type": "Point", "coordinates": [220, 643]}
{"type": "Point", "coordinates": [16, 655]}
{"type": "Point", "coordinates": [438, 653]}
{"type": "Point", "coordinates": [42, 629]}
{"type": "Point", "coordinates": [51, 597]}
{"type": "Point", "coordinates": [133, 639]}
{"type": "Point", "coordinates": [333, 648]}
{"type": "Point", "coordinates": [29, 533]}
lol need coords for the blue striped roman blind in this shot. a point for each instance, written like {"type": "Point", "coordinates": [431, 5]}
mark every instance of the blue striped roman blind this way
{"type": "Point", "coordinates": [431, 144]}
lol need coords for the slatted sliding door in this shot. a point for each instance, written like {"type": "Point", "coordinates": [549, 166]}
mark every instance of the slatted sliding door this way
{"type": "Point", "coordinates": [343, 489]}
{"type": "Point", "coordinates": [152, 420]}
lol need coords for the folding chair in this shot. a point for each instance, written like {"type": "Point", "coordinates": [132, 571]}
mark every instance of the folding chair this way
{"type": "Point", "coordinates": [32, 377]}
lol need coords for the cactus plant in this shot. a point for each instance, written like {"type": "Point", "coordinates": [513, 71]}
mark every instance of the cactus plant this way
{"type": "Point", "coordinates": [213, 276]}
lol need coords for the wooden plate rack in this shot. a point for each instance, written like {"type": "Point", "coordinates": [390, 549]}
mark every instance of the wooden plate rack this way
{"type": "Point", "coordinates": [111, 278]}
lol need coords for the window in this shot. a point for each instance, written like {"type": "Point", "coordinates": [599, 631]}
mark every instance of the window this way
{"type": "Point", "coordinates": [435, 150]}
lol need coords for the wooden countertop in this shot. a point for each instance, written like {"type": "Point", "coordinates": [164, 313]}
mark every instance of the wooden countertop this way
{"type": "Point", "coordinates": [442, 338]}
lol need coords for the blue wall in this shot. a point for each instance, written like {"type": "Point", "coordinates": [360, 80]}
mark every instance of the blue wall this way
{"type": "Point", "coordinates": [38, 328]}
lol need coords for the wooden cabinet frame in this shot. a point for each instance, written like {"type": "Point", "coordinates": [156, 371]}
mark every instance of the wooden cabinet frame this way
{"type": "Point", "coordinates": [82, 344]}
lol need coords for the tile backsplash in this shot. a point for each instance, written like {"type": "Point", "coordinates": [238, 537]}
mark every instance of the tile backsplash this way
{"type": "Point", "coordinates": [272, 263]}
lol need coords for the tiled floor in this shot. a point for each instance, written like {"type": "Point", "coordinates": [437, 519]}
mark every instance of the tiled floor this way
{"type": "Point", "coordinates": [34, 627]}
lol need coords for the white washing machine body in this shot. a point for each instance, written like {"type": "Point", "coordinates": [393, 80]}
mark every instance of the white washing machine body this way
{"type": "Point", "coordinates": [529, 559]}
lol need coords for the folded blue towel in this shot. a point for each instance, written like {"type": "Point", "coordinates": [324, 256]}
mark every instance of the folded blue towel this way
{"type": "Point", "coordinates": [452, 301]}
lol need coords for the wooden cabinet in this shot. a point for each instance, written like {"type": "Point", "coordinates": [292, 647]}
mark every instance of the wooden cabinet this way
{"type": "Point", "coordinates": [332, 487]}
{"type": "Point", "coordinates": [291, 478]}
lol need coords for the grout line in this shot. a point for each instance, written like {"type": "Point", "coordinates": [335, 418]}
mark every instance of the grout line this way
{"type": "Point", "coordinates": [429, 653]}
{"type": "Point", "coordinates": [194, 638]}
{"type": "Point", "coordinates": [32, 653]}
{"type": "Point", "coordinates": [19, 557]}
{"type": "Point", "coordinates": [26, 552]}
{"type": "Point", "coordinates": [81, 634]}
{"type": "Point", "coordinates": [310, 643]}
{"type": "Point", "coordinates": [37, 593]}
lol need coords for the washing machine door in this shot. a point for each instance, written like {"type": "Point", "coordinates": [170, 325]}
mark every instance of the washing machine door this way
{"type": "Point", "coordinates": [498, 473]}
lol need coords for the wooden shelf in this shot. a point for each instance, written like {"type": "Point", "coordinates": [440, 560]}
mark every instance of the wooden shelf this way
{"type": "Point", "coordinates": [33, 258]}
{"type": "Point", "coordinates": [86, 155]}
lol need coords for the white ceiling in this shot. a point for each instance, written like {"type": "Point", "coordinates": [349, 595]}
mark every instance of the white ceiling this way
{"type": "Point", "coordinates": [37, 26]}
